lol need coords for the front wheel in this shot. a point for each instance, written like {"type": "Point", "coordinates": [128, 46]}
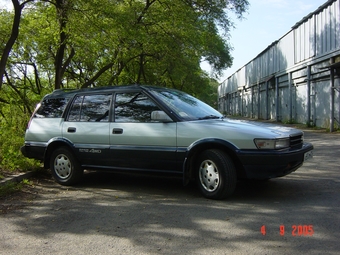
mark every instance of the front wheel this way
{"type": "Point", "coordinates": [216, 174]}
{"type": "Point", "coordinates": [65, 168]}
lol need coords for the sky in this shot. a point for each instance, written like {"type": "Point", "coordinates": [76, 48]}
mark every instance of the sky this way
{"type": "Point", "coordinates": [265, 22]}
{"type": "Point", "coordinates": [5, 4]}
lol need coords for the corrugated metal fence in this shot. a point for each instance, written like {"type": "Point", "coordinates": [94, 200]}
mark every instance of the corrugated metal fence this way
{"type": "Point", "coordinates": [296, 78]}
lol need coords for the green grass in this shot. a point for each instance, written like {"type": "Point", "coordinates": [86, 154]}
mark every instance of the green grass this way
{"type": "Point", "coordinates": [12, 187]}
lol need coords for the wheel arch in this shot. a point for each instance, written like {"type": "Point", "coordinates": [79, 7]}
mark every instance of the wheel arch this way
{"type": "Point", "coordinates": [195, 149]}
{"type": "Point", "coordinates": [52, 145]}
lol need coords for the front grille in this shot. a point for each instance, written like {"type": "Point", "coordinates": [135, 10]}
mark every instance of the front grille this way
{"type": "Point", "coordinates": [296, 140]}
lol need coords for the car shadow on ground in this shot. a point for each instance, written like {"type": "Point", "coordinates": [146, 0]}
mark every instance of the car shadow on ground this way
{"type": "Point", "coordinates": [172, 186]}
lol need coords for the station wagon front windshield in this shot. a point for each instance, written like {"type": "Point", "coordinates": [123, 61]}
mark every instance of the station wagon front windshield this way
{"type": "Point", "coordinates": [187, 107]}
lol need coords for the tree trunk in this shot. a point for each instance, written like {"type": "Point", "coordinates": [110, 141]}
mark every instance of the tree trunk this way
{"type": "Point", "coordinates": [11, 40]}
{"type": "Point", "coordinates": [62, 8]}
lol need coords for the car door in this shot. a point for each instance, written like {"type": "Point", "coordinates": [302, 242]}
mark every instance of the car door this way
{"type": "Point", "coordinates": [87, 128]}
{"type": "Point", "coordinates": [136, 141]}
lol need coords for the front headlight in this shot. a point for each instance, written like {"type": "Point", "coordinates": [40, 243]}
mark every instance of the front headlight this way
{"type": "Point", "coordinates": [272, 144]}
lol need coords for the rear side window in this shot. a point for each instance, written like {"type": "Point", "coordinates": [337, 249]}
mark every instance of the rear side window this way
{"type": "Point", "coordinates": [52, 108]}
{"type": "Point", "coordinates": [90, 108]}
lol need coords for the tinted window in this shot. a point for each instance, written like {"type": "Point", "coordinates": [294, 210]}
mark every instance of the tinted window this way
{"type": "Point", "coordinates": [74, 114]}
{"type": "Point", "coordinates": [133, 107]}
{"type": "Point", "coordinates": [90, 108]}
{"type": "Point", "coordinates": [52, 108]}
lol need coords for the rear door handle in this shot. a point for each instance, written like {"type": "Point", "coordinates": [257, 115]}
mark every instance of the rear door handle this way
{"type": "Point", "coordinates": [117, 131]}
{"type": "Point", "coordinates": [71, 130]}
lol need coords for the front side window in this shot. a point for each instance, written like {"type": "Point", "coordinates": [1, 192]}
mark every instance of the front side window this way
{"type": "Point", "coordinates": [133, 107]}
{"type": "Point", "coordinates": [185, 106]}
{"type": "Point", "coordinates": [94, 108]}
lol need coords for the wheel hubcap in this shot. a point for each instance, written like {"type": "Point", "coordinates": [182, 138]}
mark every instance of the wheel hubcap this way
{"type": "Point", "coordinates": [62, 166]}
{"type": "Point", "coordinates": [208, 174]}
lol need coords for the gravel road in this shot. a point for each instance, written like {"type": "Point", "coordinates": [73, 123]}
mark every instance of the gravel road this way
{"type": "Point", "coordinates": [139, 214]}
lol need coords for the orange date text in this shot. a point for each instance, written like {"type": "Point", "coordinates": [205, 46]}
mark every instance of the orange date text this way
{"type": "Point", "coordinates": [295, 230]}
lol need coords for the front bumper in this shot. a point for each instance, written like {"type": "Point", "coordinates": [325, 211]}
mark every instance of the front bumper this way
{"type": "Point", "coordinates": [270, 164]}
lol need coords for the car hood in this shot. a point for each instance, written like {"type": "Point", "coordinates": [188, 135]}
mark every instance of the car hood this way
{"type": "Point", "coordinates": [240, 133]}
{"type": "Point", "coordinates": [260, 127]}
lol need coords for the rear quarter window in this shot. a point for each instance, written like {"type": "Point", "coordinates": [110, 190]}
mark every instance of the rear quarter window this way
{"type": "Point", "coordinates": [52, 108]}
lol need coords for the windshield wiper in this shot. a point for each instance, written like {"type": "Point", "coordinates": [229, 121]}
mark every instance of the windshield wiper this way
{"type": "Point", "coordinates": [209, 117]}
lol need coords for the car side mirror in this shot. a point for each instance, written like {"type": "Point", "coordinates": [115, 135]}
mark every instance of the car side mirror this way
{"type": "Point", "coordinates": [160, 116]}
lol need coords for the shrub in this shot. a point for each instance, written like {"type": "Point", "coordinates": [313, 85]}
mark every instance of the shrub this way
{"type": "Point", "coordinates": [12, 132]}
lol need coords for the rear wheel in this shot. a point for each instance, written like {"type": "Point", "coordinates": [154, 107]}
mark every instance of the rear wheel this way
{"type": "Point", "coordinates": [65, 168]}
{"type": "Point", "coordinates": [216, 174]}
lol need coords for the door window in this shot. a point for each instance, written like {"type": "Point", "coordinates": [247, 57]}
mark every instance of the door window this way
{"type": "Point", "coordinates": [134, 107]}
{"type": "Point", "coordinates": [93, 108]}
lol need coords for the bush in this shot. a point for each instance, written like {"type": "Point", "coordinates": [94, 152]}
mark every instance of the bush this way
{"type": "Point", "coordinates": [12, 132]}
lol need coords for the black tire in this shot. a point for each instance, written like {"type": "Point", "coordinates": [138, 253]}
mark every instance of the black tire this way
{"type": "Point", "coordinates": [64, 167]}
{"type": "Point", "coordinates": [216, 174]}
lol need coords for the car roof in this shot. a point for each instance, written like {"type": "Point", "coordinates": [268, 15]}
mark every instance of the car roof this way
{"type": "Point", "coordinates": [66, 93]}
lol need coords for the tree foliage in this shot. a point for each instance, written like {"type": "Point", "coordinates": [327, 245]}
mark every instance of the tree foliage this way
{"type": "Point", "coordinates": [51, 44]}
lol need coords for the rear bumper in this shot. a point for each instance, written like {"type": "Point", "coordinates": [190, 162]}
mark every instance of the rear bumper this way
{"type": "Point", "coordinates": [271, 164]}
{"type": "Point", "coordinates": [35, 152]}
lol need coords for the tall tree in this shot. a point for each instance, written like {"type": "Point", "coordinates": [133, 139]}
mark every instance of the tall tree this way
{"type": "Point", "coordinates": [106, 42]}
{"type": "Point", "coordinates": [14, 35]}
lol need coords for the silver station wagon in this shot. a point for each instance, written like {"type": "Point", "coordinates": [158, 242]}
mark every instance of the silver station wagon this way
{"type": "Point", "coordinates": [154, 129]}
